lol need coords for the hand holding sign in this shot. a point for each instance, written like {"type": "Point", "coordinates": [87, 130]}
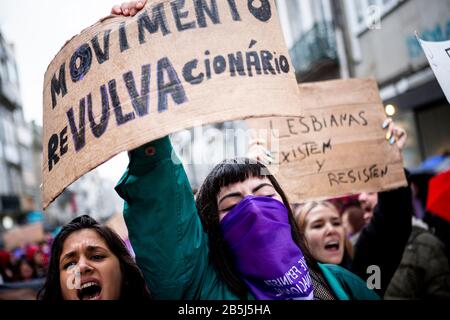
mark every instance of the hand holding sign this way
{"type": "Point", "coordinates": [129, 8]}
{"type": "Point", "coordinates": [259, 151]}
{"type": "Point", "coordinates": [395, 134]}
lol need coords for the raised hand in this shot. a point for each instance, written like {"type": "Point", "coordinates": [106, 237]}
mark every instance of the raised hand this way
{"type": "Point", "coordinates": [129, 8]}
{"type": "Point", "coordinates": [395, 134]}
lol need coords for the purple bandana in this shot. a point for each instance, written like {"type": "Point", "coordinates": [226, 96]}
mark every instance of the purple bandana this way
{"type": "Point", "coordinates": [258, 234]}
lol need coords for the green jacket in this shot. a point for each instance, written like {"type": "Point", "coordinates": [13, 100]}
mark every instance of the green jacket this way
{"type": "Point", "coordinates": [168, 238]}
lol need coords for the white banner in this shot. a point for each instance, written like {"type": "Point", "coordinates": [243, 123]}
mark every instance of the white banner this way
{"type": "Point", "coordinates": [438, 55]}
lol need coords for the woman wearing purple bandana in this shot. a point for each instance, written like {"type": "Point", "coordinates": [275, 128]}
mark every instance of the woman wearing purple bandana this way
{"type": "Point", "coordinates": [238, 241]}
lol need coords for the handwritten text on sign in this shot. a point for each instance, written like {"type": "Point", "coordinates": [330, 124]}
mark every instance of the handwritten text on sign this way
{"type": "Point", "coordinates": [335, 146]}
{"type": "Point", "coordinates": [126, 81]}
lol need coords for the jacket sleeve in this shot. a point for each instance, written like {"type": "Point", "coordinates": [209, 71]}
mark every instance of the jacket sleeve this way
{"type": "Point", "coordinates": [164, 227]}
{"type": "Point", "coordinates": [383, 240]}
{"type": "Point", "coordinates": [437, 275]}
{"type": "Point", "coordinates": [424, 272]}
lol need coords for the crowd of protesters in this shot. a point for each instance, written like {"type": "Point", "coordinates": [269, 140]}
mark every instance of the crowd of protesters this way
{"type": "Point", "coordinates": [24, 263]}
{"type": "Point", "coordinates": [333, 228]}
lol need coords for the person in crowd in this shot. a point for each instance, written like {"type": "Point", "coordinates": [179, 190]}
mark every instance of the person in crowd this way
{"type": "Point", "coordinates": [24, 270]}
{"type": "Point", "coordinates": [44, 247]}
{"type": "Point", "coordinates": [424, 271]}
{"type": "Point", "coordinates": [238, 240]}
{"type": "Point", "coordinates": [40, 264]}
{"type": "Point", "coordinates": [353, 222]}
{"type": "Point", "coordinates": [35, 256]}
{"type": "Point", "coordinates": [368, 201]}
{"type": "Point", "coordinates": [16, 254]}
{"type": "Point", "coordinates": [387, 226]}
{"type": "Point", "coordinates": [383, 239]}
{"type": "Point", "coordinates": [439, 227]}
{"type": "Point", "coordinates": [89, 261]}
{"type": "Point", "coordinates": [6, 267]}
{"type": "Point", "coordinates": [323, 229]}
{"type": "Point", "coordinates": [387, 217]}
{"type": "Point", "coordinates": [324, 232]}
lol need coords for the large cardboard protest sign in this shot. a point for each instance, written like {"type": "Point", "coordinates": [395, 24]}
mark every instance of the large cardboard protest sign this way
{"type": "Point", "coordinates": [336, 145]}
{"type": "Point", "coordinates": [126, 81]}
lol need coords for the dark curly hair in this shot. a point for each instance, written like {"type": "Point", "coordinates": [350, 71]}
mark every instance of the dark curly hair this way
{"type": "Point", "coordinates": [226, 173]}
{"type": "Point", "coordinates": [133, 283]}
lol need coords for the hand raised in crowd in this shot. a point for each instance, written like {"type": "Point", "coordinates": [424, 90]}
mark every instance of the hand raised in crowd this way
{"type": "Point", "coordinates": [129, 8]}
{"type": "Point", "coordinates": [257, 150]}
{"type": "Point", "coordinates": [395, 134]}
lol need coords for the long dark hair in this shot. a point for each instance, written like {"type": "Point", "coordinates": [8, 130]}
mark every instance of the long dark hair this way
{"type": "Point", "coordinates": [226, 173]}
{"type": "Point", "coordinates": [133, 283]}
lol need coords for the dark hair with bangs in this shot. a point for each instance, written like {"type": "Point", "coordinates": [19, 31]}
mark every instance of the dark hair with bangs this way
{"type": "Point", "coordinates": [226, 173]}
{"type": "Point", "coordinates": [133, 283]}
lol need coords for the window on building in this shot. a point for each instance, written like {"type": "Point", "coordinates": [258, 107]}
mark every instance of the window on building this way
{"type": "Point", "coordinates": [368, 10]}
{"type": "Point", "coordinates": [12, 71]}
{"type": "Point", "coordinates": [4, 179]}
{"type": "Point", "coordinates": [15, 182]}
{"type": "Point", "coordinates": [4, 70]}
{"type": "Point", "coordinates": [9, 131]}
{"type": "Point", "coordinates": [434, 130]}
{"type": "Point", "coordinates": [8, 70]}
{"type": "Point", "coordinates": [2, 131]}
{"type": "Point", "coordinates": [293, 14]}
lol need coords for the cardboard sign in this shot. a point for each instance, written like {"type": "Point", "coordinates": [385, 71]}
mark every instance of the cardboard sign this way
{"type": "Point", "coordinates": [21, 236]}
{"type": "Point", "coordinates": [336, 145]}
{"type": "Point", "coordinates": [438, 55]}
{"type": "Point", "coordinates": [176, 64]}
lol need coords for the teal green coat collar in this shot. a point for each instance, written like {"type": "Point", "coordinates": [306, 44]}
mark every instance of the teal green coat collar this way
{"type": "Point", "coordinates": [334, 284]}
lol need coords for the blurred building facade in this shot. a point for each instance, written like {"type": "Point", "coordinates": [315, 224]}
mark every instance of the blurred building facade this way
{"type": "Point", "coordinates": [19, 185]}
{"type": "Point", "coordinates": [314, 38]}
{"type": "Point", "coordinates": [376, 38]}
{"type": "Point", "coordinates": [388, 50]}
{"type": "Point", "coordinates": [91, 194]}
{"type": "Point", "coordinates": [21, 166]}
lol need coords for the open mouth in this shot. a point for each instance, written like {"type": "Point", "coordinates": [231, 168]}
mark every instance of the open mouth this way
{"type": "Point", "coordinates": [332, 246]}
{"type": "Point", "coordinates": [89, 291]}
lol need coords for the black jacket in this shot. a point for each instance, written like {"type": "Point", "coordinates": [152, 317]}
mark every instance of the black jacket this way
{"type": "Point", "coordinates": [424, 272]}
{"type": "Point", "coordinates": [382, 242]}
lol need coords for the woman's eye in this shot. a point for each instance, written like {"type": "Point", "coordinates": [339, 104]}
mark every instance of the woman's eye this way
{"type": "Point", "coordinates": [98, 257]}
{"type": "Point", "coordinates": [228, 209]}
{"type": "Point", "coordinates": [316, 226]}
{"type": "Point", "coordinates": [68, 265]}
{"type": "Point", "coordinates": [269, 195]}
